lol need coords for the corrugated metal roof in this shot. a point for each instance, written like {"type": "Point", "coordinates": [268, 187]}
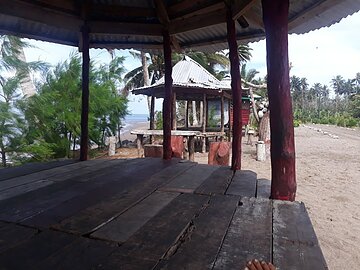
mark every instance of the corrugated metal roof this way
{"type": "Point", "coordinates": [188, 73]}
{"type": "Point", "coordinates": [62, 20]}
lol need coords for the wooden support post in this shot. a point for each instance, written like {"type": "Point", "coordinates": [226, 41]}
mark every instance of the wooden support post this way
{"type": "Point", "coordinates": [167, 105]}
{"type": "Point", "coordinates": [84, 138]}
{"type": "Point", "coordinates": [187, 105]}
{"type": "Point", "coordinates": [204, 121]}
{"type": "Point", "coordinates": [152, 113]}
{"type": "Point", "coordinates": [173, 112]}
{"type": "Point", "coordinates": [222, 113]}
{"type": "Point", "coordinates": [230, 117]}
{"type": "Point", "coordinates": [236, 91]}
{"type": "Point", "coordinates": [152, 117]}
{"type": "Point", "coordinates": [139, 144]}
{"type": "Point", "coordinates": [275, 16]}
{"type": "Point", "coordinates": [191, 147]}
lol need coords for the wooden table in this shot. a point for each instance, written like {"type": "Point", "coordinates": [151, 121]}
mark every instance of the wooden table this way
{"type": "Point", "coordinates": [148, 214]}
{"type": "Point", "coordinates": [190, 135]}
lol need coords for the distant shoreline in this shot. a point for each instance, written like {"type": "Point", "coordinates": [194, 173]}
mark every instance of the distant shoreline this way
{"type": "Point", "coordinates": [126, 135]}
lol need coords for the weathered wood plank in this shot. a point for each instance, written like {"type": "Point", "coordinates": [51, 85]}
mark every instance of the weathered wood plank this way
{"type": "Point", "coordinates": [37, 248]}
{"type": "Point", "coordinates": [96, 195]}
{"type": "Point", "coordinates": [249, 235]}
{"type": "Point", "coordinates": [217, 182]}
{"type": "Point", "coordinates": [190, 180]}
{"type": "Point", "coordinates": [118, 261]}
{"type": "Point", "coordinates": [243, 184]}
{"type": "Point", "coordinates": [81, 254]}
{"type": "Point", "coordinates": [18, 190]}
{"type": "Point", "coordinates": [60, 173]}
{"type": "Point", "coordinates": [35, 202]}
{"type": "Point", "coordinates": [263, 188]}
{"type": "Point", "coordinates": [12, 235]}
{"type": "Point", "coordinates": [121, 228]}
{"type": "Point", "coordinates": [164, 231]}
{"type": "Point", "coordinates": [200, 247]}
{"type": "Point", "coordinates": [132, 189]}
{"type": "Point", "coordinates": [295, 245]}
{"type": "Point", "coordinates": [29, 168]}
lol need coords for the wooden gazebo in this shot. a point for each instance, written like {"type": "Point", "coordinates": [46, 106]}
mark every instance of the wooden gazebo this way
{"type": "Point", "coordinates": [206, 25]}
{"type": "Point", "coordinates": [191, 82]}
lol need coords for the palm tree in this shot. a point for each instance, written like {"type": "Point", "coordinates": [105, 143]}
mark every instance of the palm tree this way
{"type": "Point", "coordinates": [12, 58]}
{"type": "Point", "coordinates": [10, 119]}
{"type": "Point", "coordinates": [338, 84]}
{"type": "Point", "coordinates": [244, 52]}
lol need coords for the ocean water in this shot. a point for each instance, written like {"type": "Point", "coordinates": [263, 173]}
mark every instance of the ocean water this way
{"type": "Point", "coordinates": [131, 120]}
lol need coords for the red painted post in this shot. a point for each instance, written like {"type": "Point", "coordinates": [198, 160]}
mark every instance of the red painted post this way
{"type": "Point", "coordinates": [236, 91]}
{"type": "Point", "coordinates": [167, 106]}
{"type": "Point", "coordinates": [84, 137]}
{"type": "Point", "coordinates": [275, 16]}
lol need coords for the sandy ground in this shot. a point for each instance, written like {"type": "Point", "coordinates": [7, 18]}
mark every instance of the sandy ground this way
{"type": "Point", "coordinates": [328, 178]}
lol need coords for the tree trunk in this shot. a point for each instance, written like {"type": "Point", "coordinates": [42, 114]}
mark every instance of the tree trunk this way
{"type": "Point", "coordinates": [194, 116]}
{"type": "Point", "coordinates": [27, 86]}
{"type": "Point", "coordinates": [146, 76]}
{"type": "Point", "coordinates": [264, 132]}
{"type": "Point", "coordinates": [3, 156]}
{"type": "Point", "coordinates": [254, 105]}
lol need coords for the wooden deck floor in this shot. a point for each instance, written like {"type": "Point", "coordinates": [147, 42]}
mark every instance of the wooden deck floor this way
{"type": "Point", "coordinates": [148, 214]}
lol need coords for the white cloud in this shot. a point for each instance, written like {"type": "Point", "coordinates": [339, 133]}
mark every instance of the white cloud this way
{"type": "Point", "coordinates": [321, 54]}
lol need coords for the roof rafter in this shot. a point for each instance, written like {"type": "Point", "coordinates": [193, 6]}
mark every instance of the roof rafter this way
{"type": "Point", "coordinates": [164, 20]}
{"type": "Point", "coordinates": [125, 28]}
{"type": "Point", "coordinates": [197, 22]}
{"type": "Point", "coordinates": [33, 12]}
{"type": "Point", "coordinates": [239, 8]}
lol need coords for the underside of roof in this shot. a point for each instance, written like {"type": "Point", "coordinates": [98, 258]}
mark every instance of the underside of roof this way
{"type": "Point", "coordinates": [139, 24]}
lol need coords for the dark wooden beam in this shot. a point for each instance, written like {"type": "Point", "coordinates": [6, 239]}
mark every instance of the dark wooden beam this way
{"type": "Point", "coordinates": [84, 137]}
{"type": "Point", "coordinates": [167, 104]}
{"type": "Point", "coordinates": [197, 22]}
{"type": "Point", "coordinates": [223, 39]}
{"type": "Point", "coordinates": [125, 28]}
{"type": "Point", "coordinates": [240, 7]}
{"type": "Point", "coordinates": [199, 11]}
{"type": "Point", "coordinates": [127, 45]}
{"type": "Point", "coordinates": [67, 6]}
{"type": "Point", "coordinates": [35, 13]}
{"type": "Point", "coordinates": [165, 21]}
{"type": "Point", "coordinates": [236, 91]}
{"type": "Point", "coordinates": [283, 183]}
{"type": "Point", "coordinates": [122, 11]}
{"type": "Point", "coordinates": [185, 4]}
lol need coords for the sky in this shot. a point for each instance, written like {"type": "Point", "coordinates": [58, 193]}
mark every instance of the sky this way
{"type": "Point", "coordinates": [318, 55]}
